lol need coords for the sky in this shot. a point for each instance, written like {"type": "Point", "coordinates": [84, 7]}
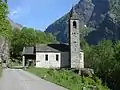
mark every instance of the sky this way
{"type": "Point", "coordinates": [38, 14]}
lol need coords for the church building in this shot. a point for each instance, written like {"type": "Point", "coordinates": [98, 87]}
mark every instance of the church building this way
{"type": "Point", "coordinates": [58, 55]}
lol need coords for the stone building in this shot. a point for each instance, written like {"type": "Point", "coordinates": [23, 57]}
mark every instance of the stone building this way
{"type": "Point", "coordinates": [76, 54]}
{"type": "Point", "coordinates": [47, 56]}
{"type": "Point", "coordinates": [59, 55]}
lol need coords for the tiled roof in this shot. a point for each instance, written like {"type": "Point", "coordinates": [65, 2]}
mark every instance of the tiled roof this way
{"type": "Point", "coordinates": [52, 48]}
{"type": "Point", "coordinates": [73, 14]}
{"type": "Point", "coordinates": [28, 51]}
{"type": "Point", "coordinates": [46, 48]}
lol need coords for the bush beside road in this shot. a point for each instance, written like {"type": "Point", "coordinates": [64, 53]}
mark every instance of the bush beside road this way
{"type": "Point", "coordinates": [68, 79]}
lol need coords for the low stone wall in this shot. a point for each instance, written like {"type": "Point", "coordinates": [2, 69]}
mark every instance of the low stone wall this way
{"type": "Point", "coordinates": [86, 72]}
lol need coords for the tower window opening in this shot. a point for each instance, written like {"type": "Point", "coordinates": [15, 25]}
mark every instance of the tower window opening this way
{"type": "Point", "coordinates": [74, 24]}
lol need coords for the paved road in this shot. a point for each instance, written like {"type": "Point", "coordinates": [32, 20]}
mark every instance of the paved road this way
{"type": "Point", "coordinates": [20, 80]}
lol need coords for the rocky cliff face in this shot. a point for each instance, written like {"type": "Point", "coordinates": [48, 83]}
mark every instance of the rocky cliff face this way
{"type": "Point", "coordinates": [93, 14]}
{"type": "Point", "coordinates": [4, 50]}
{"type": "Point", "coordinates": [14, 25]}
{"type": "Point", "coordinates": [4, 44]}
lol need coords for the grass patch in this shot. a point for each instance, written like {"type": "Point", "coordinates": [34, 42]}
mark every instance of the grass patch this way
{"type": "Point", "coordinates": [15, 65]}
{"type": "Point", "coordinates": [68, 79]}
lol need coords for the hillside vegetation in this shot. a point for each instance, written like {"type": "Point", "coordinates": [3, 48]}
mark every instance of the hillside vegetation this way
{"type": "Point", "coordinates": [28, 37]}
{"type": "Point", "coordinates": [68, 79]}
{"type": "Point", "coordinates": [104, 58]}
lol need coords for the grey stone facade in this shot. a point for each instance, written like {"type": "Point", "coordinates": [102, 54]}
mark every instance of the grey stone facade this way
{"type": "Point", "coordinates": [74, 41]}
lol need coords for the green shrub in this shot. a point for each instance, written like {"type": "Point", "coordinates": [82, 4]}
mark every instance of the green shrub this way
{"type": "Point", "coordinates": [68, 79]}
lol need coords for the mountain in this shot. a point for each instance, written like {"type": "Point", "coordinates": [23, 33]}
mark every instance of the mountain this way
{"type": "Point", "coordinates": [98, 17]}
{"type": "Point", "coordinates": [13, 24]}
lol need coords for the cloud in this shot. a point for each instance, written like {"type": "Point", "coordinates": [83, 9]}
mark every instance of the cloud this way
{"type": "Point", "coordinates": [20, 11]}
{"type": "Point", "coordinates": [15, 12]}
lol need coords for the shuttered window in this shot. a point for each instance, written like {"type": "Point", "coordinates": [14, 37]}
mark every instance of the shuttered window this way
{"type": "Point", "coordinates": [57, 57]}
{"type": "Point", "coordinates": [46, 57]}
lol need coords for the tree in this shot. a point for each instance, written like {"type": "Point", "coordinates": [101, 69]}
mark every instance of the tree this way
{"type": "Point", "coordinates": [5, 31]}
{"type": "Point", "coordinates": [87, 50]}
{"type": "Point", "coordinates": [116, 68]}
{"type": "Point", "coordinates": [28, 37]}
{"type": "Point", "coordinates": [104, 58]}
{"type": "Point", "coordinates": [16, 43]}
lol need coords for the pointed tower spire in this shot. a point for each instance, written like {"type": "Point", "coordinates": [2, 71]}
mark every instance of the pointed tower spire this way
{"type": "Point", "coordinates": [73, 14]}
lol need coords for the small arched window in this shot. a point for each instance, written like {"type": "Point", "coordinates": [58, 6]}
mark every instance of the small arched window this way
{"type": "Point", "coordinates": [74, 24]}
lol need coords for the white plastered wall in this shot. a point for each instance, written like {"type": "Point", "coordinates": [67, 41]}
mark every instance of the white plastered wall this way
{"type": "Point", "coordinates": [51, 63]}
{"type": "Point", "coordinates": [81, 59]}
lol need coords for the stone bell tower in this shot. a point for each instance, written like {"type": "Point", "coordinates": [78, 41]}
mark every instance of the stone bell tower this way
{"type": "Point", "coordinates": [74, 40]}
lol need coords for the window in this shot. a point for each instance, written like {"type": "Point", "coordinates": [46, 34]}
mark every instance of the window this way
{"type": "Point", "coordinates": [74, 42]}
{"type": "Point", "coordinates": [46, 57]}
{"type": "Point", "coordinates": [74, 24]}
{"type": "Point", "coordinates": [74, 33]}
{"type": "Point", "coordinates": [57, 57]}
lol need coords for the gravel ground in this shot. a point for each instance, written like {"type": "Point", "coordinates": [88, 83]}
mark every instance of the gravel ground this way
{"type": "Point", "coordinates": [20, 80]}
